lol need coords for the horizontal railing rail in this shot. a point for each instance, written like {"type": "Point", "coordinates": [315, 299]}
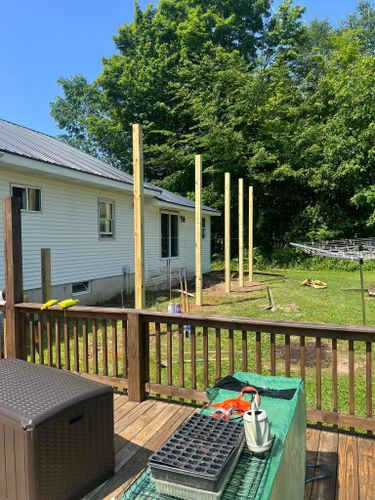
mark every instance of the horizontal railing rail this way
{"type": "Point", "coordinates": [179, 355]}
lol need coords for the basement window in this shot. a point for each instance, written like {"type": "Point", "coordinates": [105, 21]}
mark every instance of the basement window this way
{"type": "Point", "coordinates": [30, 197]}
{"type": "Point", "coordinates": [81, 287]}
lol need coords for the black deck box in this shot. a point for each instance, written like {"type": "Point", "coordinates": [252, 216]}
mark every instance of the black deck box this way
{"type": "Point", "coordinates": [56, 433]}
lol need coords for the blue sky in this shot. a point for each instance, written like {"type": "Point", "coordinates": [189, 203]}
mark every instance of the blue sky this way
{"type": "Point", "coordinates": [41, 40]}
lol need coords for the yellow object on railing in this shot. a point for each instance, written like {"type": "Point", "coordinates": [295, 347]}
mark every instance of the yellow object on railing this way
{"type": "Point", "coordinates": [48, 304]}
{"type": "Point", "coordinates": [65, 304]}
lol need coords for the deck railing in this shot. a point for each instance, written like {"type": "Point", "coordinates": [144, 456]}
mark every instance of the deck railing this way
{"type": "Point", "coordinates": [178, 355]}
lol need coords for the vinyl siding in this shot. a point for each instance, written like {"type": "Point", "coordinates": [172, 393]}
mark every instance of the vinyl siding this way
{"type": "Point", "coordinates": [68, 225]}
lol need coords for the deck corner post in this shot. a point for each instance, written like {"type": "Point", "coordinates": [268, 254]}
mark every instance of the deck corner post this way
{"type": "Point", "coordinates": [137, 355]}
{"type": "Point", "coordinates": [13, 276]}
{"type": "Point", "coordinates": [45, 267]}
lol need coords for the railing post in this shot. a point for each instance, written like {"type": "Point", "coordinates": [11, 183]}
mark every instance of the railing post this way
{"type": "Point", "coordinates": [137, 356]}
{"type": "Point", "coordinates": [13, 276]}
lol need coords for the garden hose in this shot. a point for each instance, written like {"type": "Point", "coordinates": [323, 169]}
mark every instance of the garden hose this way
{"type": "Point", "coordinates": [325, 475]}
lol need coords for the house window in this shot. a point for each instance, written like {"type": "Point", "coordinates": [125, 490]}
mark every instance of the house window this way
{"type": "Point", "coordinates": [31, 198]}
{"type": "Point", "coordinates": [203, 228]}
{"type": "Point", "coordinates": [169, 236]}
{"type": "Point", "coordinates": [106, 218]}
{"type": "Point", "coordinates": [81, 287]}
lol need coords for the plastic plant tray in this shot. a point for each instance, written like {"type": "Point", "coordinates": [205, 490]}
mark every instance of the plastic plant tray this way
{"type": "Point", "coordinates": [199, 453]}
{"type": "Point", "coordinates": [213, 430]}
{"type": "Point", "coordinates": [189, 493]}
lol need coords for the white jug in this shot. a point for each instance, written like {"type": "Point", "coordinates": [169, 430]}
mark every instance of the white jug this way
{"type": "Point", "coordinates": [257, 429]}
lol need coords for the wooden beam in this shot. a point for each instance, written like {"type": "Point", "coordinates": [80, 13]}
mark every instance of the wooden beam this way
{"type": "Point", "coordinates": [227, 231]}
{"type": "Point", "coordinates": [138, 179]}
{"type": "Point", "coordinates": [251, 229]}
{"type": "Point", "coordinates": [177, 392]}
{"type": "Point", "coordinates": [240, 233]}
{"type": "Point", "coordinates": [45, 257]}
{"type": "Point", "coordinates": [137, 355]}
{"type": "Point", "coordinates": [13, 276]}
{"type": "Point", "coordinates": [198, 230]}
{"type": "Point", "coordinates": [104, 379]}
{"type": "Point", "coordinates": [330, 417]}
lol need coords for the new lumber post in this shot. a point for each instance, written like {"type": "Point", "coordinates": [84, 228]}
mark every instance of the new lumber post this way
{"type": "Point", "coordinates": [251, 228]}
{"type": "Point", "coordinates": [240, 233]}
{"type": "Point", "coordinates": [138, 179]}
{"type": "Point", "coordinates": [227, 232]}
{"type": "Point", "coordinates": [138, 359]}
{"type": "Point", "coordinates": [198, 230]}
{"type": "Point", "coordinates": [13, 276]}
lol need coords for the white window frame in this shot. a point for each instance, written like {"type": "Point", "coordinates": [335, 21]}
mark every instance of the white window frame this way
{"type": "Point", "coordinates": [88, 288]}
{"type": "Point", "coordinates": [204, 228]}
{"type": "Point", "coordinates": [107, 236]}
{"type": "Point", "coordinates": [165, 212]}
{"type": "Point", "coordinates": [27, 187]}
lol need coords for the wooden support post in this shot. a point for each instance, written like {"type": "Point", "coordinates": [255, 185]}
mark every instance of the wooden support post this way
{"type": "Point", "coordinates": [13, 276]}
{"type": "Point", "coordinates": [45, 256]}
{"type": "Point", "coordinates": [251, 228]}
{"type": "Point", "coordinates": [240, 233]}
{"type": "Point", "coordinates": [198, 230]}
{"type": "Point", "coordinates": [138, 216]}
{"type": "Point", "coordinates": [137, 355]}
{"type": "Point", "coordinates": [227, 232]}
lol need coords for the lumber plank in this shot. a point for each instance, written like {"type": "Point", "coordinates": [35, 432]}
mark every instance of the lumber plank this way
{"type": "Point", "coordinates": [366, 467]}
{"type": "Point", "coordinates": [137, 411]}
{"type": "Point", "coordinates": [312, 444]}
{"type": "Point", "coordinates": [119, 400]}
{"type": "Point", "coordinates": [347, 474]}
{"type": "Point", "coordinates": [198, 230]}
{"type": "Point", "coordinates": [135, 424]}
{"type": "Point", "coordinates": [124, 410]}
{"type": "Point", "coordinates": [327, 455]}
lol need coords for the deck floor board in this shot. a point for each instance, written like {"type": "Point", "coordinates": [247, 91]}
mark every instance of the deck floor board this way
{"type": "Point", "coordinates": [141, 428]}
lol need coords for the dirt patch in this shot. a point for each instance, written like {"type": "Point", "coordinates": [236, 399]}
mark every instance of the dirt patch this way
{"type": "Point", "coordinates": [214, 283]}
{"type": "Point", "coordinates": [310, 360]}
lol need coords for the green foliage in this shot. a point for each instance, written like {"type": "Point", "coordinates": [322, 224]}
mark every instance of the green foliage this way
{"type": "Point", "coordinates": [287, 106]}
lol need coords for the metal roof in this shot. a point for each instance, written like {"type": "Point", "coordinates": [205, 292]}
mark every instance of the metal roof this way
{"type": "Point", "coordinates": [177, 199]}
{"type": "Point", "coordinates": [22, 141]}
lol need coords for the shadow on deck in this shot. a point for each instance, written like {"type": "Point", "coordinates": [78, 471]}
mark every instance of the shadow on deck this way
{"type": "Point", "coordinates": [141, 428]}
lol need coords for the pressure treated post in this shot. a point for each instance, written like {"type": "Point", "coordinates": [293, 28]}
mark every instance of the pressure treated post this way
{"type": "Point", "coordinates": [251, 228]}
{"type": "Point", "coordinates": [198, 230]}
{"type": "Point", "coordinates": [137, 355]}
{"type": "Point", "coordinates": [45, 258]}
{"type": "Point", "coordinates": [240, 233]}
{"type": "Point", "coordinates": [138, 216]}
{"type": "Point", "coordinates": [13, 276]}
{"type": "Point", "coordinates": [227, 231]}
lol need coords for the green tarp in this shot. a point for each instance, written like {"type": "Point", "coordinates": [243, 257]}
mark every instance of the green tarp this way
{"type": "Point", "coordinates": [277, 475]}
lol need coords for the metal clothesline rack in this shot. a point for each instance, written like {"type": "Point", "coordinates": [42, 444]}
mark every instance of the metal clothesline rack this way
{"type": "Point", "coordinates": [355, 249]}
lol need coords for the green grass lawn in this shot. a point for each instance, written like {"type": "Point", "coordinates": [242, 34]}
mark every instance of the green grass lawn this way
{"type": "Point", "coordinates": [330, 305]}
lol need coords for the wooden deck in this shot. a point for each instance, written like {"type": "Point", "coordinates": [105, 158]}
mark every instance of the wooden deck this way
{"type": "Point", "coordinates": [141, 428]}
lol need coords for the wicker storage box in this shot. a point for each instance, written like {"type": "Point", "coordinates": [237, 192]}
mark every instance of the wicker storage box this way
{"type": "Point", "coordinates": [56, 433]}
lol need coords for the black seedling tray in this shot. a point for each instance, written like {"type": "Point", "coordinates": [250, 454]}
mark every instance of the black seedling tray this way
{"type": "Point", "coordinates": [211, 429]}
{"type": "Point", "coordinates": [199, 453]}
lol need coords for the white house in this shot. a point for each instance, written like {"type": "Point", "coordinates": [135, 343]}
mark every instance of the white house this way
{"type": "Point", "coordinates": [82, 209]}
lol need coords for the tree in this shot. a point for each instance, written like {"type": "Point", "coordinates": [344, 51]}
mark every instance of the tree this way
{"type": "Point", "coordinates": [286, 105]}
